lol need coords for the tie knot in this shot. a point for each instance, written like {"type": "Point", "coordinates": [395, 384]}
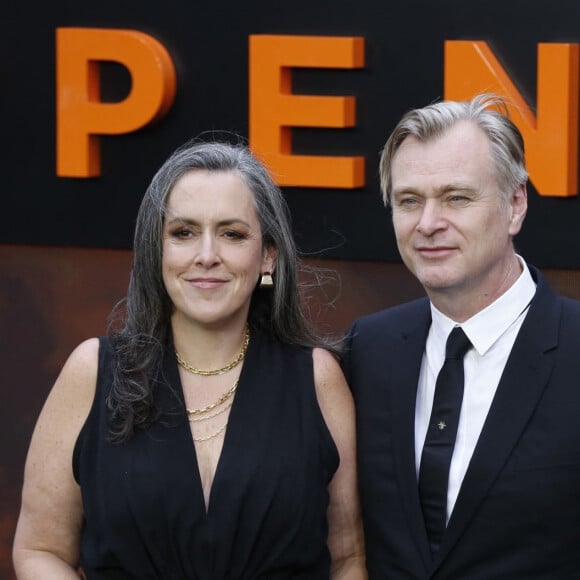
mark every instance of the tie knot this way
{"type": "Point", "coordinates": [457, 344]}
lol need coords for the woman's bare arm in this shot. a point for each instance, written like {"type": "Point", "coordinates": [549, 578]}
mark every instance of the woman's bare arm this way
{"type": "Point", "coordinates": [46, 544]}
{"type": "Point", "coordinates": [345, 539]}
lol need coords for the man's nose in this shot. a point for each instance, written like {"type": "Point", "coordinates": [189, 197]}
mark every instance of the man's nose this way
{"type": "Point", "coordinates": [432, 218]}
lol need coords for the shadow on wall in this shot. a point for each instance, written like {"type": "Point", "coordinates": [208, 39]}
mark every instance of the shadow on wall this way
{"type": "Point", "coordinates": [53, 298]}
{"type": "Point", "coordinates": [50, 300]}
{"type": "Point", "coordinates": [26, 340]}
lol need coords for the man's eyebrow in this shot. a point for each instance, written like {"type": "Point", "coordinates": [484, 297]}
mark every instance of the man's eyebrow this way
{"type": "Point", "coordinates": [456, 186]}
{"type": "Point", "coordinates": [446, 188]}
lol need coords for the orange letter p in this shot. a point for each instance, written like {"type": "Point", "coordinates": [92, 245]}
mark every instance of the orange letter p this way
{"type": "Point", "coordinates": [80, 114]}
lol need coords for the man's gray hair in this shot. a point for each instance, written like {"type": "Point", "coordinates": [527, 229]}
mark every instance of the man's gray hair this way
{"type": "Point", "coordinates": [488, 111]}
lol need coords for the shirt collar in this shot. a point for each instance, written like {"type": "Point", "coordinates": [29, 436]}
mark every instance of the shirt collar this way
{"type": "Point", "coordinates": [487, 326]}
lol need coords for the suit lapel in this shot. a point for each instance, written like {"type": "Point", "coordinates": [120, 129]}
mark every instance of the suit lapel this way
{"type": "Point", "coordinates": [408, 353]}
{"type": "Point", "coordinates": [521, 386]}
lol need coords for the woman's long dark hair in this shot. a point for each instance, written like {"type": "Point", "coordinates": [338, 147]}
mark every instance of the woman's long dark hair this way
{"type": "Point", "coordinates": [146, 328]}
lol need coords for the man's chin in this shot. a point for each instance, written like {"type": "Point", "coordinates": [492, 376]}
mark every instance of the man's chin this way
{"type": "Point", "coordinates": [436, 279]}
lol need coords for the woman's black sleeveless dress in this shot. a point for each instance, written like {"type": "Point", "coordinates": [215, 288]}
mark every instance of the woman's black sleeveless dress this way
{"type": "Point", "coordinates": [145, 515]}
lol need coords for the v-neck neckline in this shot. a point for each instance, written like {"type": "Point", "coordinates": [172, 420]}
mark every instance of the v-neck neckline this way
{"type": "Point", "coordinates": [232, 430]}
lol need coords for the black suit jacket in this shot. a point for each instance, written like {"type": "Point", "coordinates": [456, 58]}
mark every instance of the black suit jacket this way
{"type": "Point", "coordinates": [517, 515]}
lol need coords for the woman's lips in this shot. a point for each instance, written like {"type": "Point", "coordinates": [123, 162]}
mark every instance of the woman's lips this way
{"type": "Point", "coordinates": [207, 283]}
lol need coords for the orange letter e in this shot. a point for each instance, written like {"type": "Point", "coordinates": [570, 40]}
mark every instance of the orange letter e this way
{"type": "Point", "coordinates": [274, 109]}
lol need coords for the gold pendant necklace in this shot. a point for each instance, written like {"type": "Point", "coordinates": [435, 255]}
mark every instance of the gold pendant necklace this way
{"type": "Point", "coordinates": [234, 363]}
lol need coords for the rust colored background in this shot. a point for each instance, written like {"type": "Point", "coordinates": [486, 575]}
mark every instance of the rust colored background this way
{"type": "Point", "coordinates": [52, 298]}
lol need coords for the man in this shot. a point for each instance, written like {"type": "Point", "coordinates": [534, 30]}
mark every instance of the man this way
{"type": "Point", "coordinates": [485, 484]}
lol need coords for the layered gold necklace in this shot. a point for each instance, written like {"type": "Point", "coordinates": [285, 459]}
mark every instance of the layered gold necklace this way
{"type": "Point", "coordinates": [223, 403]}
{"type": "Point", "coordinates": [234, 363]}
{"type": "Point", "coordinates": [205, 413]}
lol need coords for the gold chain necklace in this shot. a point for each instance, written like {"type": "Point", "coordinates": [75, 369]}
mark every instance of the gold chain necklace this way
{"type": "Point", "coordinates": [211, 415]}
{"type": "Point", "coordinates": [198, 413]}
{"type": "Point", "coordinates": [237, 360]}
{"type": "Point", "coordinates": [212, 435]}
{"type": "Point", "coordinates": [213, 405]}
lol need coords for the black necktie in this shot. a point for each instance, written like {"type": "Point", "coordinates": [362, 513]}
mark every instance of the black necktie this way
{"type": "Point", "coordinates": [440, 438]}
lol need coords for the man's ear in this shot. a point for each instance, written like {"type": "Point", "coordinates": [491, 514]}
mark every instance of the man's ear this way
{"type": "Point", "coordinates": [518, 209]}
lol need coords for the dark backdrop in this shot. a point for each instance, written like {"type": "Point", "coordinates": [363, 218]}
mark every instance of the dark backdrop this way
{"type": "Point", "coordinates": [208, 43]}
{"type": "Point", "coordinates": [65, 243]}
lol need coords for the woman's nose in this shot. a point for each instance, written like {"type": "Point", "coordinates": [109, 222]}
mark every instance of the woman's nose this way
{"type": "Point", "coordinates": [207, 252]}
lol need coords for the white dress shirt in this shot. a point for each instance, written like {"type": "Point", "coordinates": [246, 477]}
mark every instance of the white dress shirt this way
{"type": "Point", "coordinates": [492, 333]}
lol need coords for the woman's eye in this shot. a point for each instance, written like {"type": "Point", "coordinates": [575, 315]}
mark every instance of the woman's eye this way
{"type": "Point", "coordinates": [182, 233]}
{"type": "Point", "coordinates": [234, 235]}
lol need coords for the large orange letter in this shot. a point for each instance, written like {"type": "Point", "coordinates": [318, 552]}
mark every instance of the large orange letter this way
{"type": "Point", "coordinates": [552, 135]}
{"type": "Point", "coordinates": [274, 109]}
{"type": "Point", "coordinates": [81, 116]}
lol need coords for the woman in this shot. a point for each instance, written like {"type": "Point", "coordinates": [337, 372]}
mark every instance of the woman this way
{"type": "Point", "coordinates": [211, 436]}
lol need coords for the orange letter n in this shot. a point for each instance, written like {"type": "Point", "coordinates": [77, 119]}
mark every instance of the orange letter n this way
{"type": "Point", "coordinates": [274, 109]}
{"type": "Point", "coordinates": [80, 114]}
{"type": "Point", "coordinates": [551, 136]}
